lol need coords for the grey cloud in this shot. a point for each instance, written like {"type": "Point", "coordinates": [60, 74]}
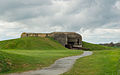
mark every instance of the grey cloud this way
{"type": "Point", "coordinates": [14, 4]}
{"type": "Point", "coordinates": [12, 10]}
{"type": "Point", "coordinates": [61, 15]}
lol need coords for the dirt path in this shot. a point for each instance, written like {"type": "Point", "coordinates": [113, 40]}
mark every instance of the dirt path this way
{"type": "Point", "coordinates": [60, 66]}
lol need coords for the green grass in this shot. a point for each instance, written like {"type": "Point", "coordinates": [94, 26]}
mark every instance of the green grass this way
{"type": "Point", "coordinates": [24, 60]}
{"type": "Point", "coordinates": [31, 43]}
{"type": "Point", "coordinates": [95, 46]}
{"type": "Point", "coordinates": [104, 62]}
{"type": "Point", "coordinates": [40, 43]}
{"type": "Point", "coordinates": [24, 54]}
{"type": "Point", "coordinates": [4, 62]}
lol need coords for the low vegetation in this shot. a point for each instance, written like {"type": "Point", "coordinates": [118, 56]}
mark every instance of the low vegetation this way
{"type": "Point", "coordinates": [40, 43]}
{"type": "Point", "coordinates": [30, 53]}
{"type": "Point", "coordinates": [105, 62]}
{"type": "Point", "coordinates": [31, 43]}
{"type": "Point", "coordinates": [24, 60]}
{"type": "Point", "coordinates": [95, 46]}
{"type": "Point", "coordinates": [23, 54]}
{"type": "Point", "coordinates": [5, 63]}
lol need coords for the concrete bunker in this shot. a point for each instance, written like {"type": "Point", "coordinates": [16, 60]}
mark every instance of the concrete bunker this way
{"type": "Point", "coordinates": [70, 40]}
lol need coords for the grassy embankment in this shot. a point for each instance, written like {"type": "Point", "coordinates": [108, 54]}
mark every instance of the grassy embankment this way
{"type": "Point", "coordinates": [31, 43]}
{"type": "Point", "coordinates": [94, 47]}
{"type": "Point", "coordinates": [103, 62]}
{"type": "Point", "coordinates": [31, 53]}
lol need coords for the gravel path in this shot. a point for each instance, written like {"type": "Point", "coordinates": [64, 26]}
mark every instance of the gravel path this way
{"type": "Point", "coordinates": [60, 66]}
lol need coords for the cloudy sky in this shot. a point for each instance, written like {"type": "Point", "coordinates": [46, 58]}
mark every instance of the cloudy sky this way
{"type": "Point", "coordinates": [98, 21]}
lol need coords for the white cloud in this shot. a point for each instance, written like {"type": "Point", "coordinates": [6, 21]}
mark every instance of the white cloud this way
{"type": "Point", "coordinates": [90, 18]}
{"type": "Point", "coordinates": [102, 35]}
{"type": "Point", "coordinates": [117, 5]}
{"type": "Point", "coordinates": [56, 28]}
{"type": "Point", "coordinates": [11, 29]}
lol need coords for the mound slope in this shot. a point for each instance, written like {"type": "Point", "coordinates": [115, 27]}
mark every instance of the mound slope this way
{"type": "Point", "coordinates": [31, 43]}
{"type": "Point", "coordinates": [95, 46]}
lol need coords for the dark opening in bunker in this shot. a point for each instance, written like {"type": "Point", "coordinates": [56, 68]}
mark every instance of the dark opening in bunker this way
{"type": "Point", "coordinates": [70, 43]}
{"type": "Point", "coordinates": [78, 41]}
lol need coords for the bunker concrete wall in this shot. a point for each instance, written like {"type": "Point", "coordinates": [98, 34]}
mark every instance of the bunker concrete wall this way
{"type": "Point", "coordinates": [61, 37]}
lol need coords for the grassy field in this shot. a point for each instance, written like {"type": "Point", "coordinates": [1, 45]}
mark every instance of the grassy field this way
{"type": "Point", "coordinates": [24, 60]}
{"type": "Point", "coordinates": [104, 62]}
{"type": "Point", "coordinates": [23, 54]}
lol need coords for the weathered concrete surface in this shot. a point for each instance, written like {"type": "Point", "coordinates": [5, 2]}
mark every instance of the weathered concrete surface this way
{"type": "Point", "coordinates": [60, 66]}
{"type": "Point", "coordinates": [67, 39]}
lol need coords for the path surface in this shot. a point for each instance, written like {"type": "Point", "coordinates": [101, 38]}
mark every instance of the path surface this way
{"type": "Point", "coordinates": [60, 66]}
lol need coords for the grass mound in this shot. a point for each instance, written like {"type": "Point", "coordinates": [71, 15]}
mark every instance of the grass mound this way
{"type": "Point", "coordinates": [31, 43]}
{"type": "Point", "coordinates": [95, 46]}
